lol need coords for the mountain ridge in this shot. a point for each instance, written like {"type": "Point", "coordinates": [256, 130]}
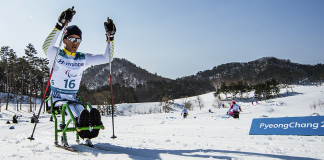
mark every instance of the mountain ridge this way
{"type": "Point", "coordinates": [128, 74]}
{"type": "Point", "coordinates": [123, 72]}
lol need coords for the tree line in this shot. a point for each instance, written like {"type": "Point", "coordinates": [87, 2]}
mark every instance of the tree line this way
{"type": "Point", "coordinates": [28, 75]}
{"type": "Point", "coordinates": [152, 91]}
{"type": "Point", "coordinates": [20, 76]}
{"type": "Point", "coordinates": [258, 76]}
{"type": "Point", "coordinates": [263, 90]}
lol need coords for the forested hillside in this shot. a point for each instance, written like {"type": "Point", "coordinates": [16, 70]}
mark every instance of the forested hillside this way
{"type": "Point", "coordinates": [262, 70]}
{"type": "Point", "coordinates": [123, 72]}
{"type": "Point", "coordinates": [28, 75]}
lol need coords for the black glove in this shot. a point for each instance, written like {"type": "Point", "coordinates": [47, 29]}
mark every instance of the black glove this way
{"type": "Point", "coordinates": [65, 17]}
{"type": "Point", "coordinates": [110, 29]}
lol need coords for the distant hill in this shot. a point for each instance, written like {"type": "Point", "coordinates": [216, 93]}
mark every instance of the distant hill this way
{"type": "Point", "coordinates": [128, 74]}
{"type": "Point", "coordinates": [134, 84]}
{"type": "Point", "coordinates": [123, 72]}
{"type": "Point", "coordinates": [263, 69]}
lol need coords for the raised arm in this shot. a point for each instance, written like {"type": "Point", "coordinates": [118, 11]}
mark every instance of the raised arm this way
{"type": "Point", "coordinates": [48, 46]}
{"type": "Point", "coordinates": [99, 58]}
{"type": "Point", "coordinates": [110, 29]}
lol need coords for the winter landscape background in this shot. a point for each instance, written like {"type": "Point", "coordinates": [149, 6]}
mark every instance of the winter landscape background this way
{"type": "Point", "coordinates": [169, 55]}
{"type": "Point", "coordinates": [202, 135]}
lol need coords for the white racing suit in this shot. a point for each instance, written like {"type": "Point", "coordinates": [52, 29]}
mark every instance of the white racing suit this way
{"type": "Point", "coordinates": [68, 69]}
{"type": "Point", "coordinates": [236, 109]}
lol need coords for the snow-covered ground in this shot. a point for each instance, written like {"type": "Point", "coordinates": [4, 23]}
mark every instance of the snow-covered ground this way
{"type": "Point", "coordinates": [168, 136]}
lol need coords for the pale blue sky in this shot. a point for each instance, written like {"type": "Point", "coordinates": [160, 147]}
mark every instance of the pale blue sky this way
{"type": "Point", "coordinates": [177, 38]}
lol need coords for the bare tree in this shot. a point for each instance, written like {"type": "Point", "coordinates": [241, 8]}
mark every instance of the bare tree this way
{"type": "Point", "coordinates": [217, 103]}
{"type": "Point", "coordinates": [2, 99]}
{"type": "Point", "coordinates": [150, 110]}
{"type": "Point", "coordinates": [166, 104]}
{"type": "Point", "coordinates": [187, 103]}
{"type": "Point", "coordinates": [217, 82]}
{"type": "Point", "coordinates": [200, 102]}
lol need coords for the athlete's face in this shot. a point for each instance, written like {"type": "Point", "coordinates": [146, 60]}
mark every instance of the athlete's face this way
{"type": "Point", "coordinates": [71, 46]}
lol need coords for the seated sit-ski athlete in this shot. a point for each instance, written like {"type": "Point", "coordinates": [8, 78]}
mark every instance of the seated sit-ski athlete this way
{"type": "Point", "coordinates": [236, 109]}
{"type": "Point", "coordinates": [68, 68]}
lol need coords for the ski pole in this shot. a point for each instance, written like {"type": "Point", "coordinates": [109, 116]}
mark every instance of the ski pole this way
{"type": "Point", "coordinates": [112, 106]}
{"type": "Point", "coordinates": [111, 92]}
{"type": "Point", "coordinates": [58, 50]}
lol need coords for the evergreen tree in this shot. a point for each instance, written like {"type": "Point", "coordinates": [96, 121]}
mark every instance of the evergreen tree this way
{"type": "Point", "coordinates": [258, 91]}
{"type": "Point", "coordinates": [4, 57]}
{"type": "Point", "coordinates": [44, 72]}
{"type": "Point", "coordinates": [224, 89]}
{"type": "Point", "coordinates": [30, 58]}
{"type": "Point", "coordinates": [233, 89]}
{"type": "Point", "coordinates": [13, 60]}
{"type": "Point", "coordinates": [22, 65]}
{"type": "Point", "coordinates": [275, 88]}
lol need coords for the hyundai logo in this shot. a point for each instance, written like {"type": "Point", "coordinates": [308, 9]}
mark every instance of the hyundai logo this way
{"type": "Point", "coordinates": [60, 61]}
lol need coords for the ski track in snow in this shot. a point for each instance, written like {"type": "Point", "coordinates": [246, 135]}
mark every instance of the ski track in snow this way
{"type": "Point", "coordinates": [168, 136]}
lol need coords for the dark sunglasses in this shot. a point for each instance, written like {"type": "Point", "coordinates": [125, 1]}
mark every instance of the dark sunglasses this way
{"type": "Point", "coordinates": [72, 39]}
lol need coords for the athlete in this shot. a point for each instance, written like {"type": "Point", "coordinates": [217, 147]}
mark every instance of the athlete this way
{"type": "Point", "coordinates": [235, 109]}
{"type": "Point", "coordinates": [184, 113]}
{"type": "Point", "coordinates": [68, 68]}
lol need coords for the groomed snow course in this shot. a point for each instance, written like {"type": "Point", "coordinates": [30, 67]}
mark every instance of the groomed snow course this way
{"type": "Point", "coordinates": [167, 136]}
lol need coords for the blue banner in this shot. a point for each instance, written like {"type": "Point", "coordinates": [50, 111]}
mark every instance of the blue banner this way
{"type": "Point", "coordinates": [311, 125]}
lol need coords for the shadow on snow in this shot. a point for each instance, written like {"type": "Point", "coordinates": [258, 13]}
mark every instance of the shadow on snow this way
{"type": "Point", "coordinates": [138, 154]}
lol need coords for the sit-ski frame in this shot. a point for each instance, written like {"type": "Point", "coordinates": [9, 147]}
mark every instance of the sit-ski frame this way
{"type": "Point", "coordinates": [66, 128]}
